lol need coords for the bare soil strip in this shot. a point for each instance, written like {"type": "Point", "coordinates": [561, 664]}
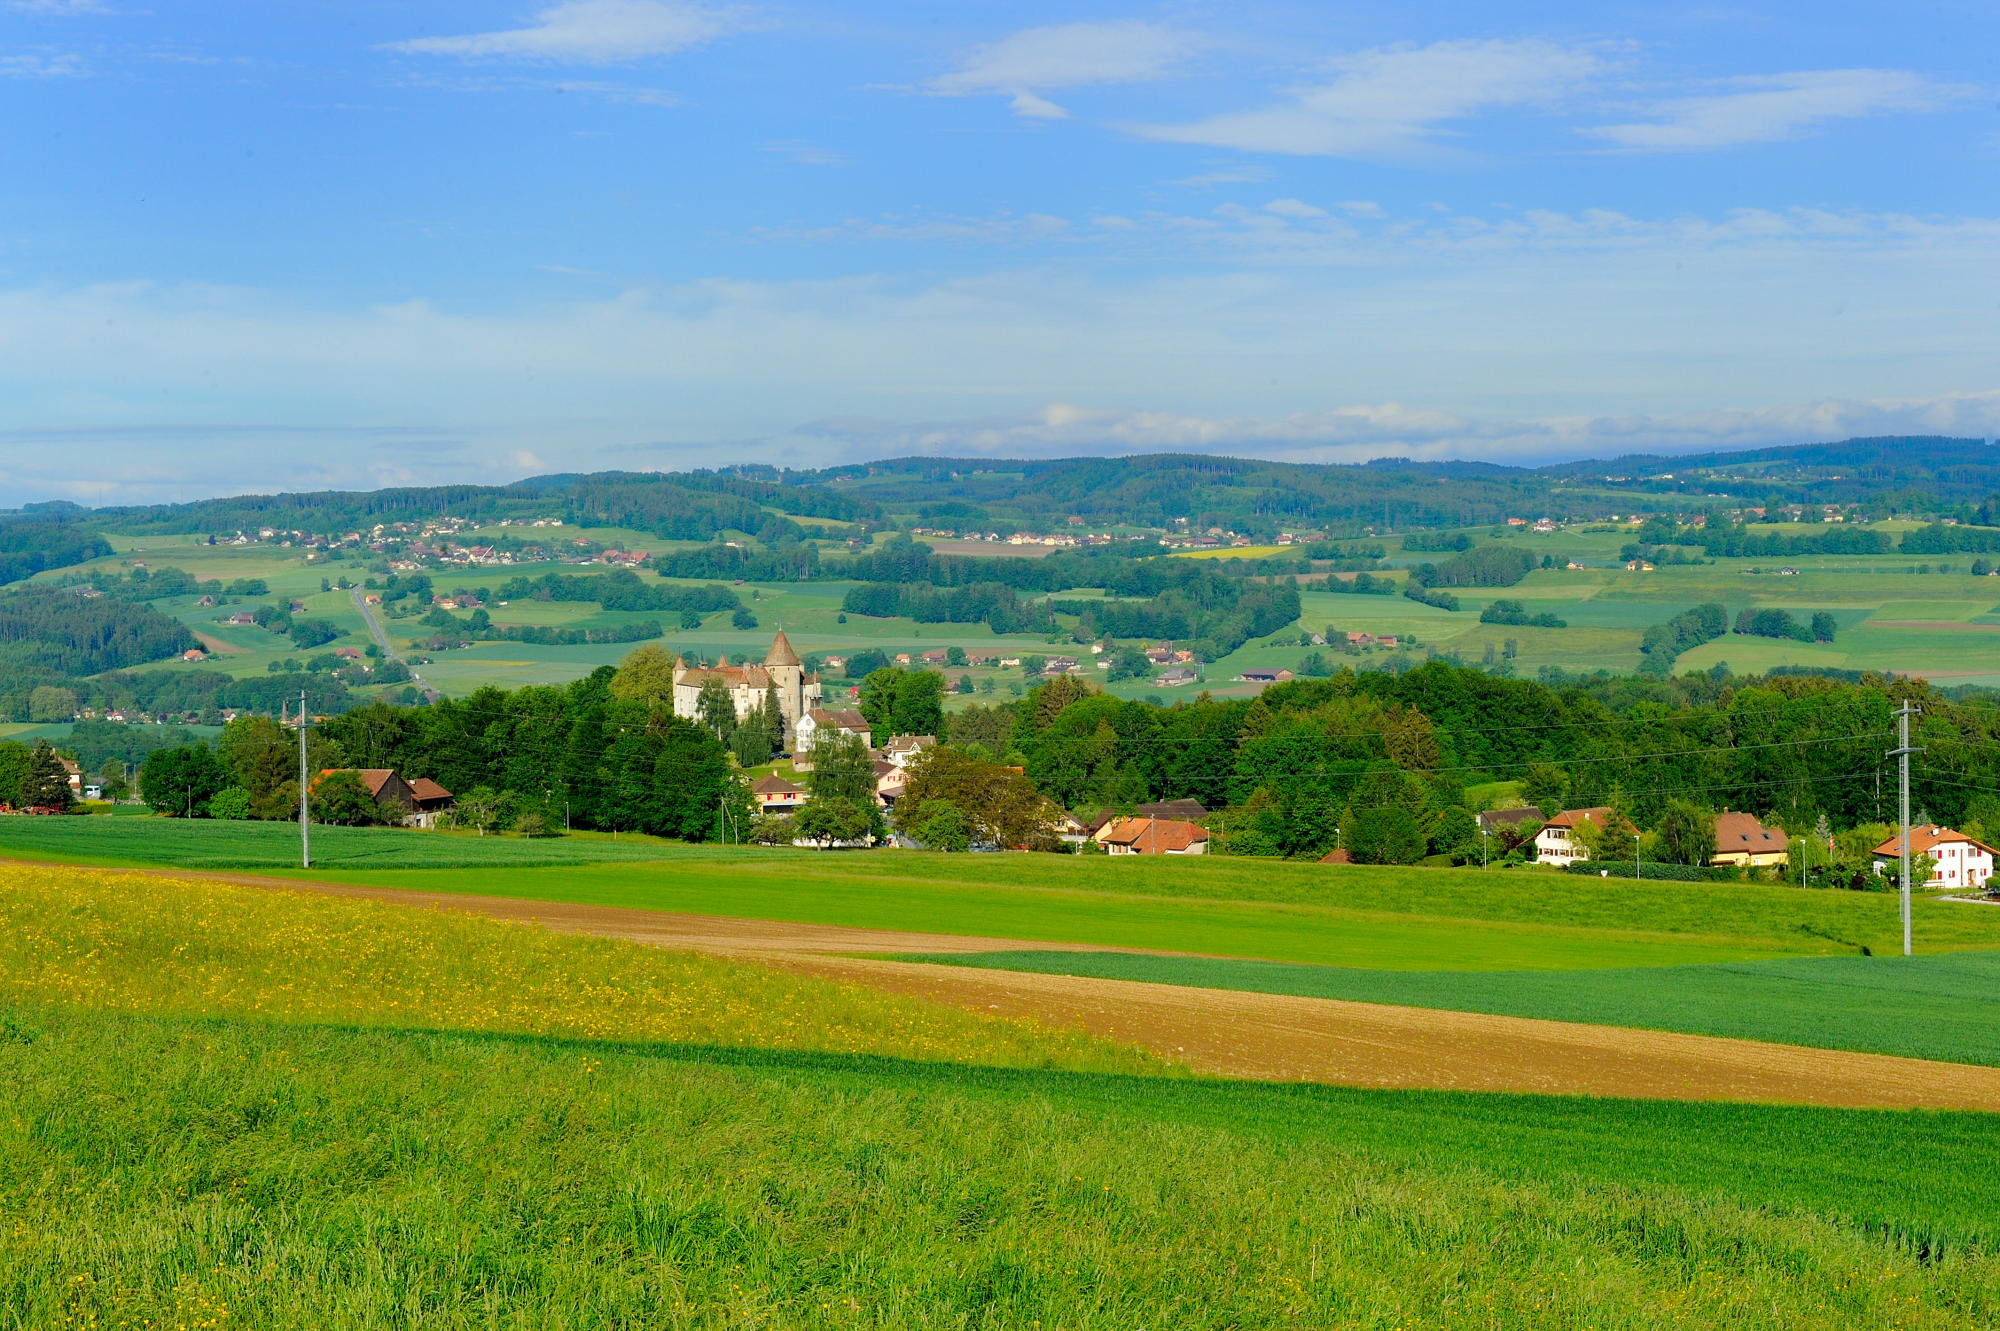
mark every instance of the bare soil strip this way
{"type": "Point", "coordinates": [1276, 1037]}
{"type": "Point", "coordinates": [1268, 1037]}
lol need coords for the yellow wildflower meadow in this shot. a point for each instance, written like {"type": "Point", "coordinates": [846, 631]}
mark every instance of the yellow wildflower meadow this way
{"type": "Point", "coordinates": [127, 942]}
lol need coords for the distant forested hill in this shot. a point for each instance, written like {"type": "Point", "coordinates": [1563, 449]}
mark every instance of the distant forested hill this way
{"type": "Point", "coordinates": [1929, 477]}
{"type": "Point", "coordinates": [32, 544]}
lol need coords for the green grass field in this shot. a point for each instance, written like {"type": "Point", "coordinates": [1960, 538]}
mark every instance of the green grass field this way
{"type": "Point", "coordinates": [1942, 1007]}
{"type": "Point", "coordinates": [1370, 918]}
{"type": "Point", "coordinates": [230, 1107]}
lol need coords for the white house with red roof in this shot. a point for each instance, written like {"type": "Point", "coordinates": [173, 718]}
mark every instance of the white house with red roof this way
{"type": "Point", "coordinates": [1960, 861]}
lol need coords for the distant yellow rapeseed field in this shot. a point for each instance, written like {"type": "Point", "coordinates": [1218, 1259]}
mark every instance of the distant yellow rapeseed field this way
{"type": "Point", "coordinates": [113, 941]}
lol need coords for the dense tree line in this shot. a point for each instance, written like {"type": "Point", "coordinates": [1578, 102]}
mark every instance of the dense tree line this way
{"type": "Point", "coordinates": [1683, 633]}
{"type": "Point", "coordinates": [978, 603]}
{"type": "Point", "coordinates": [1211, 616]}
{"type": "Point", "coordinates": [1938, 539]}
{"type": "Point", "coordinates": [621, 590]}
{"type": "Point", "coordinates": [581, 755]}
{"type": "Point", "coordinates": [1736, 542]}
{"type": "Point", "coordinates": [1481, 566]}
{"type": "Point", "coordinates": [1307, 759]}
{"type": "Point", "coordinates": [34, 544]}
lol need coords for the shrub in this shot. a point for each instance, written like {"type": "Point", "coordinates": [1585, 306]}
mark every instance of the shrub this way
{"type": "Point", "coordinates": [233, 803]}
{"type": "Point", "coordinates": [1670, 873]}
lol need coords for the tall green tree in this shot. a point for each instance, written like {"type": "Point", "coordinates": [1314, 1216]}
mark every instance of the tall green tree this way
{"type": "Point", "coordinates": [46, 785]}
{"type": "Point", "coordinates": [180, 782]}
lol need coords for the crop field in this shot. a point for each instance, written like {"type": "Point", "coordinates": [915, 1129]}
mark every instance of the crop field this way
{"type": "Point", "coordinates": [1938, 1007]}
{"type": "Point", "coordinates": [234, 1107]}
{"type": "Point", "coordinates": [1358, 916]}
{"type": "Point", "coordinates": [131, 943]}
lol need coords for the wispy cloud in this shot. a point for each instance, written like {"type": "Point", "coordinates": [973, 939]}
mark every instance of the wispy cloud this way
{"type": "Point", "coordinates": [1235, 175]}
{"type": "Point", "coordinates": [60, 7]}
{"type": "Point", "coordinates": [590, 31]}
{"type": "Point", "coordinates": [804, 152]}
{"type": "Point", "coordinates": [40, 67]}
{"type": "Point", "coordinates": [1396, 102]}
{"type": "Point", "coordinates": [1069, 55]}
{"type": "Point", "coordinates": [1002, 230]}
{"type": "Point", "coordinates": [1293, 208]}
{"type": "Point", "coordinates": [1779, 106]}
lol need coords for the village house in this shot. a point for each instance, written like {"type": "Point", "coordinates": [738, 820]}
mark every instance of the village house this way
{"type": "Point", "coordinates": [1740, 842]}
{"type": "Point", "coordinates": [1174, 678]}
{"type": "Point", "coordinates": [748, 685]}
{"type": "Point", "coordinates": [1262, 676]}
{"type": "Point", "coordinates": [1959, 860]}
{"type": "Point", "coordinates": [900, 749]}
{"type": "Point", "coordinates": [1557, 843]}
{"type": "Point", "coordinates": [936, 657]}
{"type": "Point", "coordinates": [822, 721]}
{"type": "Point", "coordinates": [890, 782]}
{"type": "Point", "coordinates": [777, 795]}
{"type": "Point", "coordinates": [1152, 836]}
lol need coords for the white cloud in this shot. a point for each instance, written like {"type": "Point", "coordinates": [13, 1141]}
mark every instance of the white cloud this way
{"type": "Point", "coordinates": [1069, 55]}
{"type": "Point", "coordinates": [1293, 208]}
{"type": "Point", "coordinates": [590, 31]}
{"type": "Point", "coordinates": [1779, 106]}
{"type": "Point", "coordinates": [60, 7]}
{"type": "Point", "coordinates": [1396, 101]}
{"type": "Point", "coordinates": [39, 67]}
{"type": "Point", "coordinates": [1361, 208]}
{"type": "Point", "coordinates": [1235, 175]}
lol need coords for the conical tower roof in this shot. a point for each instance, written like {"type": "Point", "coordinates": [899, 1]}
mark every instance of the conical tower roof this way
{"type": "Point", "coordinates": [781, 652]}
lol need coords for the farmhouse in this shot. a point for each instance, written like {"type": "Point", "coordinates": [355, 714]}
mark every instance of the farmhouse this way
{"type": "Point", "coordinates": [1960, 861]}
{"type": "Point", "coordinates": [1742, 843]}
{"type": "Point", "coordinates": [1152, 836]}
{"type": "Point", "coordinates": [748, 685]}
{"type": "Point", "coordinates": [428, 800]}
{"type": "Point", "coordinates": [1174, 678]}
{"type": "Point", "coordinates": [1497, 822]}
{"type": "Point", "coordinates": [1261, 676]}
{"type": "Point", "coordinates": [382, 784]}
{"type": "Point", "coordinates": [1557, 844]}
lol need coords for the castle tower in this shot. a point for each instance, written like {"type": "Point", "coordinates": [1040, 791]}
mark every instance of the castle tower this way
{"type": "Point", "coordinates": [783, 666]}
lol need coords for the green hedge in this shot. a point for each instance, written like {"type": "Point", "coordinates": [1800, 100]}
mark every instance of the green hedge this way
{"type": "Point", "coordinates": [1672, 873]}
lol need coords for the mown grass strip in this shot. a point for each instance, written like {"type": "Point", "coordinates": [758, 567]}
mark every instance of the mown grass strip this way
{"type": "Point", "coordinates": [1941, 1007]}
{"type": "Point", "coordinates": [186, 1172]}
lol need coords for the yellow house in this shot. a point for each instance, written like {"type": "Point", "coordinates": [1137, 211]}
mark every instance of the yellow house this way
{"type": "Point", "coordinates": [1741, 842]}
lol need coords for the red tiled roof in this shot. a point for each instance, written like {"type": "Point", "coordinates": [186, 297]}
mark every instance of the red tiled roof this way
{"type": "Point", "coordinates": [1923, 840]}
{"type": "Point", "coordinates": [1740, 833]}
{"type": "Point", "coordinates": [426, 790]}
{"type": "Point", "coordinates": [775, 785]}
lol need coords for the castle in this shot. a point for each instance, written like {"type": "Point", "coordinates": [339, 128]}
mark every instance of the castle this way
{"type": "Point", "coordinates": [798, 692]}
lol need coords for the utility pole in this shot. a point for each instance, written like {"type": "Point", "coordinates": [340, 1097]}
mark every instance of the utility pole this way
{"type": "Point", "coordinates": [305, 808]}
{"type": "Point", "coordinates": [1902, 755]}
{"type": "Point", "coordinates": [1483, 834]}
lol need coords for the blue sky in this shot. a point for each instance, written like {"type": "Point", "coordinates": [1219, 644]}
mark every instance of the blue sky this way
{"type": "Point", "coordinates": [260, 246]}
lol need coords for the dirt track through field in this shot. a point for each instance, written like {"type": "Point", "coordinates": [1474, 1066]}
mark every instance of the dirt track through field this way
{"type": "Point", "coordinates": [1274, 1037]}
